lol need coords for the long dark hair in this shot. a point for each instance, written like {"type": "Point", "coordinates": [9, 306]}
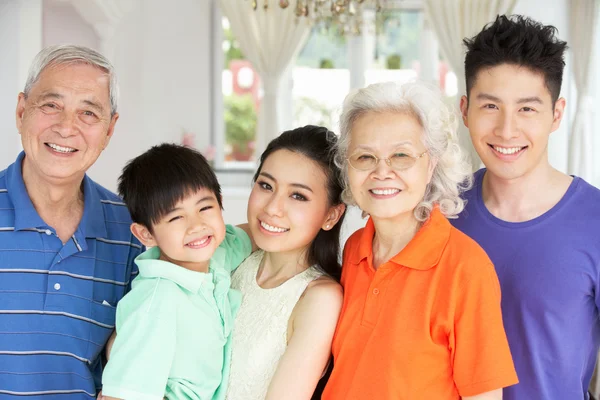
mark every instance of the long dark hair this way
{"type": "Point", "coordinates": [316, 143]}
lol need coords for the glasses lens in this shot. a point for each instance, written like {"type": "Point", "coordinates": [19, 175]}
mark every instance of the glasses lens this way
{"type": "Point", "coordinates": [401, 161]}
{"type": "Point", "coordinates": [363, 161]}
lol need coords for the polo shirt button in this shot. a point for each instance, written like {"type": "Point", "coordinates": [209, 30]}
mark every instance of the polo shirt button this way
{"type": "Point", "coordinates": [57, 286]}
{"type": "Point", "coordinates": [48, 232]}
{"type": "Point", "coordinates": [375, 291]}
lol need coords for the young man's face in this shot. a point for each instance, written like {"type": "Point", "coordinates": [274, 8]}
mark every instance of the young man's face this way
{"type": "Point", "coordinates": [510, 116]}
{"type": "Point", "coordinates": [190, 233]}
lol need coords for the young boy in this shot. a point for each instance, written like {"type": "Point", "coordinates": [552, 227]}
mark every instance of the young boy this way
{"type": "Point", "coordinates": [174, 326]}
{"type": "Point", "coordinates": [539, 226]}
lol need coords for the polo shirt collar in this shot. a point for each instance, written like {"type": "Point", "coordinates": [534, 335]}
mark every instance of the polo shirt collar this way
{"type": "Point", "coordinates": [151, 267]}
{"type": "Point", "coordinates": [423, 252]}
{"type": "Point", "coordinates": [92, 223]}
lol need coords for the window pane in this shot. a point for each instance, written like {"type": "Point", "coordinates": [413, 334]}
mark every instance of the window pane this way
{"type": "Point", "coordinates": [241, 100]}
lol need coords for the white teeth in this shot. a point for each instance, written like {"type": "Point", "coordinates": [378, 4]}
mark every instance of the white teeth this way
{"type": "Point", "coordinates": [273, 228]}
{"type": "Point", "coordinates": [199, 242]}
{"type": "Point", "coordinates": [384, 192]}
{"type": "Point", "coordinates": [61, 149]}
{"type": "Point", "coordinates": [507, 150]}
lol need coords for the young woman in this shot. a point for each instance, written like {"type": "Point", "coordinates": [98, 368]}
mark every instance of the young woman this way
{"type": "Point", "coordinates": [291, 298]}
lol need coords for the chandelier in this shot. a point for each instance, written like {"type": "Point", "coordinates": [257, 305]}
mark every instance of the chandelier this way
{"type": "Point", "coordinates": [344, 15]}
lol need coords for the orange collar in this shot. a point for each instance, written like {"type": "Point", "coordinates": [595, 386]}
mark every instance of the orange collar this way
{"type": "Point", "coordinates": [422, 252]}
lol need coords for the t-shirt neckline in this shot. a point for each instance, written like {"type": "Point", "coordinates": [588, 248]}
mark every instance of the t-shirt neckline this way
{"type": "Point", "coordinates": [519, 225]}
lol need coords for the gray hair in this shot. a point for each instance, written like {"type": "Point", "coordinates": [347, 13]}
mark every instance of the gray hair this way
{"type": "Point", "coordinates": [67, 54]}
{"type": "Point", "coordinates": [452, 174]}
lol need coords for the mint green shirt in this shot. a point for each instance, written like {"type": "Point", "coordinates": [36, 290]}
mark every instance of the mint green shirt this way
{"type": "Point", "coordinates": [174, 328]}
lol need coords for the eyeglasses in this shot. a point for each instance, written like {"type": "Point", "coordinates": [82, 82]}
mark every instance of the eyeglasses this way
{"type": "Point", "coordinates": [399, 161]}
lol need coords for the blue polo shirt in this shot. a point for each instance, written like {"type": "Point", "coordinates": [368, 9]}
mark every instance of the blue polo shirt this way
{"type": "Point", "coordinates": [58, 301]}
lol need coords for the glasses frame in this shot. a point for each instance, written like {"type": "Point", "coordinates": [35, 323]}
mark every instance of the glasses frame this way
{"type": "Point", "coordinates": [387, 161]}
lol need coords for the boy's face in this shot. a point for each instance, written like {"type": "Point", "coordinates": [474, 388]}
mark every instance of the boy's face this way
{"type": "Point", "coordinates": [510, 116]}
{"type": "Point", "coordinates": [190, 233]}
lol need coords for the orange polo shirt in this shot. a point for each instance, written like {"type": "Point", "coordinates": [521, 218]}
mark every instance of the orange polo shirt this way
{"type": "Point", "coordinates": [426, 324]}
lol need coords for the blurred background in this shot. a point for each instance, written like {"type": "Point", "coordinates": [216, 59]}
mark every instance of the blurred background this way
{"type": "Point", "coordinates": [226, 76]}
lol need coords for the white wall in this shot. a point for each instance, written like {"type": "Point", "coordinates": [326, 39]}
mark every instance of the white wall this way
{"type": "Point", "coordinates": [62, 24]}
{"type": "Point", "coordinates": [20, 40]}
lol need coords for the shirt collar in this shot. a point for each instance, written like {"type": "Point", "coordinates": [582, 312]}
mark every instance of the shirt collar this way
{"type": "Point", "coordinates": [423, 252]}
{"type": "Point", "coordinates": [151, 267]}
{"type": "Point", "coordinates": [92, 223]}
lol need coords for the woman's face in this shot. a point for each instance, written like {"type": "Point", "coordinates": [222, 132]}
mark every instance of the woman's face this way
{"type": "Point", "coordinates": [289, 203]}
{"type": "Point", "coordinates": [385, 192]}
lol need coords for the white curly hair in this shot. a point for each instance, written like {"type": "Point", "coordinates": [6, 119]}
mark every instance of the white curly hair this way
{"type": "Point", "coordinates": [452, 174]}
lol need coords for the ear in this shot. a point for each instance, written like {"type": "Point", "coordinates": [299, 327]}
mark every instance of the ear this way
{"type": "Point", "coordinates": [464, 109]}
{"type": "Point", "coordinates": [333, 216]}
{"type": "Point", "coordinates": [430, 169]}
{"type": "Point", "coordinates": [143, 234]}
{"type": "Point", "coordinates": [20, 112]}
{"type": "Point", "coordinates": [559, 111]}
{"type": "Point", "coordinates": [111, 129]}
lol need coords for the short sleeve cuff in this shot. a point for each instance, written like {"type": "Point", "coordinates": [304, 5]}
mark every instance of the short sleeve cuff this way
{"type": "Point", "coordinates": [128, 394]}
{"type": "Point", "coordinates": [487, 386]}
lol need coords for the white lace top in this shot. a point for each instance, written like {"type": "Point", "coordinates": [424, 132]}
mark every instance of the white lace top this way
{"type": "Point", "coordinates": [260, 329]}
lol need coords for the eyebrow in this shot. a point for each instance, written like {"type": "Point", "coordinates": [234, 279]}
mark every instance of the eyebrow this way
{"type": "Point", "coordinates": [299, 185]}
{"type": "Point", "coordinates": [531, 99]}
{"type": "Point", "coordinates": [391, 145]}
{"type": "Point", "coordinates": [205, 198]}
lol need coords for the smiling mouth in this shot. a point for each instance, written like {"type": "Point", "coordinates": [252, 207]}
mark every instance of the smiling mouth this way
{"type": "Point", "coordinates": [199, 243]}
{"type": "Point", "coordinates": [384, 192]}
{"type": "Point", "coordinates": [271, 228]}
{"type": "Point", "coordinates": [61, 149]}
{"type": "Point", "coordinates": [508, 151]}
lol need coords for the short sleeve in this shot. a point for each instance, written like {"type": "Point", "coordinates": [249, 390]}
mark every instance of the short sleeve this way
{"type": "Point", "coordinates": [238, 246]}
{"type": "Point", "coordinates": [143, 352]}
{"type": "Point", "coordinates": [482, 361]}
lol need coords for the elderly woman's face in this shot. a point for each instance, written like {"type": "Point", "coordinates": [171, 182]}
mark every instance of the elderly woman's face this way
{"type": "Point", "coordinates": [388, 191]}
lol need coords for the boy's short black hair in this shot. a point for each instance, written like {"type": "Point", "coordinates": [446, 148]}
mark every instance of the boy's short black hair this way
{"type": "Point", "coordinates": [153, 182]}
{"type": "Point", "coordinates": [521, 41]}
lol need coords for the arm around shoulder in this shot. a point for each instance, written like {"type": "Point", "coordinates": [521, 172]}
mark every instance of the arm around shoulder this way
{"type": "Point", "coordinates": [309, 348]}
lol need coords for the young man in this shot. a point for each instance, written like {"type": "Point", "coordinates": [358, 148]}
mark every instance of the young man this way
{"type": "Point", "coordinates": [540, 227]}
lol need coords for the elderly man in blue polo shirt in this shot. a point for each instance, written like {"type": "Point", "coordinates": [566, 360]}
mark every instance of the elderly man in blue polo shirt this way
{"type": "Point", "coordinates": [66, 252]}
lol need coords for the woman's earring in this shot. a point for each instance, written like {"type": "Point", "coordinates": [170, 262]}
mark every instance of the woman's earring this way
{"type": "Point", "coordinates": [327, 226]}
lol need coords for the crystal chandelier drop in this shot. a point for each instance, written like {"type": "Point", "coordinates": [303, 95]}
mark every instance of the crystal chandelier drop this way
{"type": "Point", "coordinates": [344, 15]}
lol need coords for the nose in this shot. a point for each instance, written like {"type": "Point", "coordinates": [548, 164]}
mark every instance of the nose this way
{"type": "Point", "coordinates": [507, 127]}
{"type": "Point", "coordinates": [274, 206]}
{"type": "Point", "coordinates": [67, 124]}
{"type": "Point", "coordinates": [196, 224]}
{"type": "Point", "coordinates": [382, 170]}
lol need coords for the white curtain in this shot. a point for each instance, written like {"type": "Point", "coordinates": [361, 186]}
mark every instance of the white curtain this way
{"type": "Point", "coordinates": [270, 39]}
{"type": "Point", "coordinates": [583, 17]}
{"type": "Point", "coordinates": [452, 21]}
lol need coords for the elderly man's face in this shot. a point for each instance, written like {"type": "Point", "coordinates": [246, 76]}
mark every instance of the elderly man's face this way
{"type": "Point", "coordinates": [65, 121]}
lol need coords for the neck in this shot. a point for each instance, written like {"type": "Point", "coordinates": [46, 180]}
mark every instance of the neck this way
{"type": "Point", "coordinates": [278, 267]}
{"type": "Point", "coordinates": [52, 197]}
{"type": "Point", "coordinates": [525, 197]}
{"type": "Point", "coordinates": [392, 235]}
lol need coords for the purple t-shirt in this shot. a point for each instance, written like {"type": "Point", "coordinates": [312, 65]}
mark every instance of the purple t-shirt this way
{"type": "Point", "coordinates": [549, 272]}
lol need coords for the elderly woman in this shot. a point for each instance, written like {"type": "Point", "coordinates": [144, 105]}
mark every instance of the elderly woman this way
{"type": "Point", "coordinates": [421, 314]}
